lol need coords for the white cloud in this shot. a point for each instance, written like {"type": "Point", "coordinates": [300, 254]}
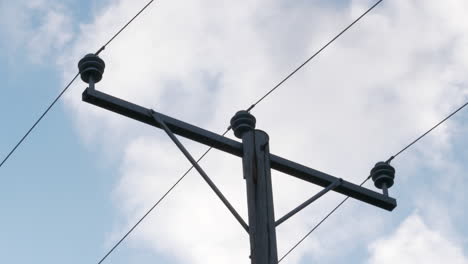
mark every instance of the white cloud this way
{"type": "Point", "coordinates": [36, 29]}
{"type": "Point", "coordinates": [415, 242]}
{"type": "Point", "coordinates": [391, 77]}
{"type": "Point", "coordinates": [53, 34]}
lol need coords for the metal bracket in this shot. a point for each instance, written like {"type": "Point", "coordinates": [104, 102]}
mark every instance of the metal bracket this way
{"type": "Point", "coordinates": [199, 169]}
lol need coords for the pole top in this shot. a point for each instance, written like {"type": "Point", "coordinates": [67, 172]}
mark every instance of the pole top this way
{"type": "Point", "coordinates": [242, 122]}
{"type": "Point", "coordinates": [91, 66]}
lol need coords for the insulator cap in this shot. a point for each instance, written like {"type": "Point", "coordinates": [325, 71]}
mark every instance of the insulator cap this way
{"type": "Point", "coordinates": [91, 66]}
{"type": "Point", "coordinates": [242, 122]}
{"type": "Point", "coordinates": [383, 173]}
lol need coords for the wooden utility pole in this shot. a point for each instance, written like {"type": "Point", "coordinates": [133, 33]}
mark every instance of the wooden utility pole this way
{"type": "Point", "coordinates": [256, 167]}
{"type": "Point", "coordinates": [256, 159]}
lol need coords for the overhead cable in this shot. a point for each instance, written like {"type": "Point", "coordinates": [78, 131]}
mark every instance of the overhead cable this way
{"type": "Point", "coordinates": [155, 205]}
{"type": "Point", "coordinates": [70, 83]}
{"type": "Point", "coordinates": [427, 132]}
{"type": "Point", "coordinates": [313, 56]}
{"type": "Point", "coordinates": [38, 120]}
{"type": "Point", "coordinates": [123, 28]}
{"type": "Point", "coordinates": [388, 161]}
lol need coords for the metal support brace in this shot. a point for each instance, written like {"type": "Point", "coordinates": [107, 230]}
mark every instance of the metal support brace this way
{"type": "Point", "coordinates": [199, 169]}
{"type": "Point", "coordinates": [311, 200]}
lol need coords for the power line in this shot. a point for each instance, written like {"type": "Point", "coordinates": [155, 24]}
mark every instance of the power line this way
{"type": "Point", "coordinates": [388, 161]}
{"type": "Point", "coordinates": [70, 83]}
{"type": "Point", "coordinates": [318, 224]}
{"type": "Point", "coordinates": [38, 120]}
{"type": "Point", "coordinates": [156, 204]}
{"type": "Point", "coordinates": [123, 28]}
{"type": "Point", "coordinates": [427, 132]}
{"type": "Point", "coordinates": [313, 56]}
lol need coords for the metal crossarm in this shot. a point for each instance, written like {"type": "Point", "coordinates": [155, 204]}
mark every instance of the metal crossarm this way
{"type": "Point", "coordinates": [178, 127]}
{"type": "Point", "coordinates": [199, 169]}
{"type": "Point", "coordinates": [323, 179]}
{"type": "Point", "coordinates": [234, 147]}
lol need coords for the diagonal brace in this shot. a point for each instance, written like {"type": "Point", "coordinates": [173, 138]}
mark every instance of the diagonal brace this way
{"type": "Point", "coordinates": [199, 169]}
{"type": "Point", "coordinates": [330, 187]}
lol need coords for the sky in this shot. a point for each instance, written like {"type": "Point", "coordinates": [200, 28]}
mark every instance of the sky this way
{"type": "Point", "coordinates": [85, 175]}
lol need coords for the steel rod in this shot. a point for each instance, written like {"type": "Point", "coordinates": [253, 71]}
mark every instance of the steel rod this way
{"type": "Point", "coordinates": [306, 203]}
{"type": "Point", "coordinates": [200, 170]}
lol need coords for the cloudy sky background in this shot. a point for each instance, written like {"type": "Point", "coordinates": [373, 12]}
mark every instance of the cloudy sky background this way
{"type": "Point", "coordinates": [86, 174]}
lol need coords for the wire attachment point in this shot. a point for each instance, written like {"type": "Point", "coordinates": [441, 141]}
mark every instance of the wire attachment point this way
{"type": "Point", "coordinates": [91, 69]}
{"type": "Point", "coordinates": [100, 50]}
{"type": "Point", "coordinates": [242, 122]}
{"type": "Point", "coordinates": [383, 176]}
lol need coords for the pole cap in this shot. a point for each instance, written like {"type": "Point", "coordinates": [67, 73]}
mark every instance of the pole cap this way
{"type": "Point", "coordinates": [242, 122]}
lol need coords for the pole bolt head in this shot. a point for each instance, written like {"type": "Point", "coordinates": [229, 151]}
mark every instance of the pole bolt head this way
{"type": "Point", "coordinates": [91, 66]}
{"type": "Point", "coordinates": [242, 122]}
{"type": "Point", "coordinates": [383, 173]}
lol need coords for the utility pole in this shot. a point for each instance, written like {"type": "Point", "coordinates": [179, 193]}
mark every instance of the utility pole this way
{"type": "Point", "coordinates": [256, 168]}
{"type": "Point", "coordinates": [256, 159]}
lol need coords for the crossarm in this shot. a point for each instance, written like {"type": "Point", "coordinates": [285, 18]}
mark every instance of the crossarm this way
{"type": "Point", "coordinates": [320, 178]}
{"type": "Point", "coordinates": [214, 140]}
